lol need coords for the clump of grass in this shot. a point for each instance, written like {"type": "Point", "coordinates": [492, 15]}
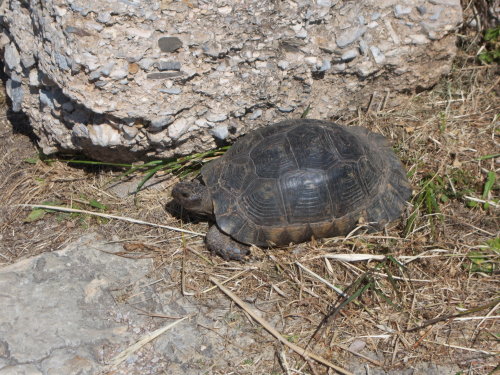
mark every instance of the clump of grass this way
{"type": "Point", "coordinates": [432, 191]}
{"type": "Point", "coordinates": [180, 167]}
{"type": "Point", "coordinates": [438, 189]}
{"type": "Point", "coordinates": [489, 53]}
{"type": "Point", "coordinates": [487, 258]}
{"type": "Point", "coordinates": [487, 190]}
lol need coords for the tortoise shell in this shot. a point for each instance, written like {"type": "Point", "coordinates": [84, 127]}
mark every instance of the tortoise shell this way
{"type": "Point", "coordinates": [302, 178]}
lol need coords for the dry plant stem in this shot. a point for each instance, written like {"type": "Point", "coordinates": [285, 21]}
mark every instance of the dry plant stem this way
{"type": "Point", "coordinates": [297, 349]}
{"type": "Point", "coordinates": [311, 366]}
{"type": "Point", "coordinates": [331, 286]}
{"type": "Point", "coordinates": [462, 348]}
{"type": "Point", "coordinates": [447, 317]}
{"type": "Point", "coordinates": [147, 338]}
{"type": "Point", "coordinates": [229, 279]}
{"type": "Point", "coordinates": [404, 259]}
{"type": "Point", "coordinates": [374, 361]}
{"type": "Point", "coordinates": [200, 255]}
{"type": "Point", "coordinates": [422, 337]}
{"type": "Point", "coordinates": [488, 316]}
{"type": "Point", "coordinates": [284, 362]}
{"type": "Point", "coordinates": [183, 277]}
{"type": "Point", "coordinates": [123, 218]}
{"type": "Point", "coordinates": [293, 278]}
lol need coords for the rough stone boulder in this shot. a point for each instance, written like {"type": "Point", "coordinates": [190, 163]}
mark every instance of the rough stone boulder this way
{"type": "Point", "coordinates": [127, 79]}
{"type": "Point", "coordinates": [70, 312]}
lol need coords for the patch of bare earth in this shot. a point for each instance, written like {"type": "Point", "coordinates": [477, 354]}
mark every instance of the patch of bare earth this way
{"type": "Point", "coordinates": [432, 298]}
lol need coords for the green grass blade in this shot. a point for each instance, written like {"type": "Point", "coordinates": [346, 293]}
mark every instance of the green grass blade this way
{"type": "Point", "coordinates": [96, 204]}
{"type": "Point", "coordinates": [148, 175]}
{"type": "Point", "coordinates": [89, 162]}
{"type": "Point", "coordinates": [306, 111]}
{"type": "Point", "coordinates": [485, 157]}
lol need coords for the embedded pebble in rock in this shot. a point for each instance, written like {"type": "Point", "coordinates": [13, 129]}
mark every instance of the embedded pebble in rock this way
{"type": "Point", "coordinates": [169, 65]}
{"type": "Point", "coordinates": [45, 99]}
{"type": "Point", "coordinates": [15, 91]}
{"type": "Point", "coordinates": [283, 64]}
{"type": "Point", "coordinates": [350, 55]}
{"type": "Point", "coordinates": [172, 90]}
{"type": "Point", "coordinates": [164, 75]}
{"type": "Point", "coordinates": [377, 55]}
{"type": "Point", "coordinates": [311, 60]}
{"type": "Point", "coordinates": [340, 67]}
{"type": "Point", "coordinates": [418, 39]}
{"type": "Point", "coordinates": [108, 71]}
{"type": "Point", "coordinates": [28, 61]}
{"type": "Point", "coordinates": [80, 131]}
{"type": "Point", "coordinates": [146, 63]}
{"type": "Point", "coordinates": [216, 117]}
{"type": "Point", "coordinates": [421, 9]}
{"type": "Point", "coordinates": [255, 114]}
{"type": "Point", "coordinates": [324, 3]}
{"type": "Point", "coordinates": [104, 17]}
{"type": "Point", "coordinates": [220, 132]}
{"type": "Point", "coordinates": [129, 132]}
{"type": "Point", "coordinates": [287, 109]}
{"type": "Point", "coordinates": [104, 135]}
{"type": "Point", "coordinates": [365, 69]}
{"type": "Point", "coordinates": [119, 71]}
{"type": "Point", "coordinates": [400, 11]}
{"type": "Point", "coordinates": [160, 123]}
{"type": "Point", "coordinates": [363, 47]}
{"type": "Point", "coordinates": [11, 57]}
{"type": "Point", "coordinates": [61, 61]}
{"type": "Point", "coordinates": [325, 65]}
{"type": "Point", "coordinates": [178, 128]}
{"type": "Point", "coordinates": [169, 44]}
{"type": "Point", "coordinates": [350, 36]}
{"type": "Point", "coordinates": [436, 15]}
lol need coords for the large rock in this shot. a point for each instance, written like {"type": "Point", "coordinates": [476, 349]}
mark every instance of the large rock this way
{"type": "Point", "coordinates": [120, 79]}
{"type": "Point", "coordinates": [71, 311]}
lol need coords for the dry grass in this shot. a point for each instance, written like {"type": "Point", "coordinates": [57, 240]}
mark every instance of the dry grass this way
{"type": "Point", "coordinates": [434, 297]}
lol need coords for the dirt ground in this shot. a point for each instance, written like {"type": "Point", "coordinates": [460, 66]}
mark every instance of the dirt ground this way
{"type": "Point", "coordinates": [433, 297]}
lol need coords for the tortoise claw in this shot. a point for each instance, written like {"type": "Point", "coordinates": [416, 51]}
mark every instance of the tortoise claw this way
{"type": "Point", "coordinates": [224, 246]}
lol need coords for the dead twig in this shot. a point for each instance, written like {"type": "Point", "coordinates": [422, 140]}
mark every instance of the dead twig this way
{"type": "Point", "coordinates": [462, 348]}
{"type": "Point", "coordinates": [107, 216]}
{"type": "Point", "coordinates": [374, 361]}
{"type": "Point", "coordinates": [297, 349]}
{"type": "Point", "coordinates": [449, 317]}
{"type": "Point", "coordinates": [147, 338]}
{"type": "Point", "coordinates": [315, 275]}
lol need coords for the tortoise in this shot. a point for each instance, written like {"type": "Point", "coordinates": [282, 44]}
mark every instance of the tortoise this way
{"type": "Point", "coordinates": [294, 180]}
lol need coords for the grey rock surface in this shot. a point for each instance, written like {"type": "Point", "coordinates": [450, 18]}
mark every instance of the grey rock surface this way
{"type": "Point", "coordinates": [86, 72]}
{"type": "Point", "coordinates": [72, 311]}
{"type": "Point", "coordinates": [57, 310]}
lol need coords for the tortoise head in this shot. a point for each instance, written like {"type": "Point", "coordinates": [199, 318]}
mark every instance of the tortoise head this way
{"type": "Point", "coordinates": [193, 196]}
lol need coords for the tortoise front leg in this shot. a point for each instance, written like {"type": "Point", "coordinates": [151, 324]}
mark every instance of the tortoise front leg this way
{"type": "Point", "coordinates": [223, 245]}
